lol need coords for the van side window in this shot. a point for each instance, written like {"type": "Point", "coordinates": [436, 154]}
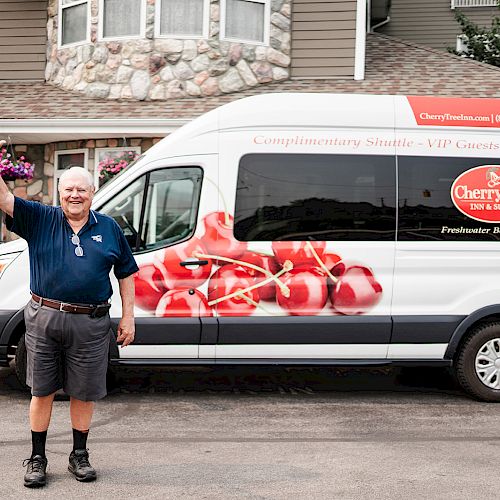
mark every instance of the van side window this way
{"type": "Point", "coordinates": [158, 209]}
{"type": "Point", "coordinates": [315, 197]}
{"type": "Point", "coordinates": [171, 206]}
{"type": "Point", "coordinates": [426, 210]}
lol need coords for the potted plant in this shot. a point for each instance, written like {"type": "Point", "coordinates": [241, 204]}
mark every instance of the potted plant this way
{"type": "Point", "coordinates": [110, 165]}
{"type": "Point", "coordinates": [12, 168]}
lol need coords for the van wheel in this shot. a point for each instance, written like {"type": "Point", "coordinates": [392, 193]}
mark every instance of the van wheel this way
{"type": "Point", "coordinates": [21, 362]}
{"type": "Point", "coordinates": [478, 363]}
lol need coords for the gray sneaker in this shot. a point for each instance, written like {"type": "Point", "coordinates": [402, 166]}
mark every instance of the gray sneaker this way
{"type": "Point", "coordinates": [79, 465]}
{"type": "Point", "coordinates": [36, 473]}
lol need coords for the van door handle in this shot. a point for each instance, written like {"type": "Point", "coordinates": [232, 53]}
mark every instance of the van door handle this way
{"type": "Point", "coordinates": [194, 263]}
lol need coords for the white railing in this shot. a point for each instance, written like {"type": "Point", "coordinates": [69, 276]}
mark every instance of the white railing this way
{"type": "Point", "coordinates": [473, 3]}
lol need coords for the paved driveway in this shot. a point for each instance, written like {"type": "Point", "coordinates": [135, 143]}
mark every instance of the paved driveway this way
{"type": "Point", "coordinates": [268, 434]}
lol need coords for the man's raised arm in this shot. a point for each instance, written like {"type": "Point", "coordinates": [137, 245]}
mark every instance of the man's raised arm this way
{"type": "Point", "coordinates": [6, 199]}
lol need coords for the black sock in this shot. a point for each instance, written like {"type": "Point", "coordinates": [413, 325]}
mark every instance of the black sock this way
{"type": "Point", "coordinates": [80, 439]}
{"type": "Point", "coordinates": [38, 442]}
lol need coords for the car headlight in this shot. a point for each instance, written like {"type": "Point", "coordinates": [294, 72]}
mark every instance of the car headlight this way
{"type": "Point", "coordinates": [6, 259]}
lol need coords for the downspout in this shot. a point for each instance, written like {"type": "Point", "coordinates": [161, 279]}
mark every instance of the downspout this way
{"type": "Point", "coordinates": [360, 47]}
{"type": "Point", "coordinates": [385, 21]}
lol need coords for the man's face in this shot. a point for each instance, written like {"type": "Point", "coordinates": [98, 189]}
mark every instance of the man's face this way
{"type": "Point", "coordinates": [76, 196]}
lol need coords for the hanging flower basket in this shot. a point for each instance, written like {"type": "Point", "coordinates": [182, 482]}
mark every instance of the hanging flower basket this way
{"type": "Point", "coordinates": [113, 165]}
{"type": "Point", "coordinates": [12, 168]}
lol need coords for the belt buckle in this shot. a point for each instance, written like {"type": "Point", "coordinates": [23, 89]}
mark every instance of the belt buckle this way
{"type": "Point", "coordinates": [61, 305]}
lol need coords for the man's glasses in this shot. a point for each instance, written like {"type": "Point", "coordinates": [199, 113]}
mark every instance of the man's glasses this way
{"type": "Point", "coordinates": [76, 241]}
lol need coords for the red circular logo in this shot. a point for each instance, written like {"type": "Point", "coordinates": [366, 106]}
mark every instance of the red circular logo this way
{"type": "Point", "coordinates": [476, 193]}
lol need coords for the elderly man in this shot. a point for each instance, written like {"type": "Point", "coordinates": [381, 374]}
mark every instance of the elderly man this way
{"type": "Point", "coordinates": [72, 250]}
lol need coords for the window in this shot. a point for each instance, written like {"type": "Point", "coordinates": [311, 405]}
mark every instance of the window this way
{"type": "Point", "coordinates": [64, 160]}
{"type": "Point", "coordinates": [246, 20]}
{"type": "Point", "coordinates": [121, 18]}
{"type": "Point", "coordinates": [315, 197]}
{"type": "Point", "coordinates": [182, 18]}
{"type": "Point", "coordinates": [425, 204]}
{"type": "Point", "coordinates": [473, 3]}
{"type": "Point", "coordinates": [74, 22]}
{"type": "Point", "coordinates": [168, 214]}
{"type": "Point", "coordinates": [107, 158]}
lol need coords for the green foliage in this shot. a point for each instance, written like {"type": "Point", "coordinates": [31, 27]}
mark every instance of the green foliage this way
{"type": "Point", "coordinates": [482, 43]}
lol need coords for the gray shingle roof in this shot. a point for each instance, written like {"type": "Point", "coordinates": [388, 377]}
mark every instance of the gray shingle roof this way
{"type": "Point", "coordinates": [392, 67]}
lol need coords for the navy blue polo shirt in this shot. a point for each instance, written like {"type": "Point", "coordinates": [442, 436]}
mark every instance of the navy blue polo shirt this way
{"type": "Point", "coordinates": [56, 272]}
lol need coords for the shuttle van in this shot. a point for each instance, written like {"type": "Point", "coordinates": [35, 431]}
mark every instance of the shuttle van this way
{"type": "Point", "coordinates": [305, 229]}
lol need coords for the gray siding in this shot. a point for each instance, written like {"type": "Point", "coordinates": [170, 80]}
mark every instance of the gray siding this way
{"type": "Point", "coordinates": [431, 22]}
{"type": "Point", "coordinates": [323, 38]}
{"type": "Point", "coordinates": [23, 39]}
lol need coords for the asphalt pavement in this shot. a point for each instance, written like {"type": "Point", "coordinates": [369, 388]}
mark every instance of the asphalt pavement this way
{"type": "Point", "coordinates": [267, 433]}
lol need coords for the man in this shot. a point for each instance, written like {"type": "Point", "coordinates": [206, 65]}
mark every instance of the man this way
{"type": "Point", "coordinates": [72, 250]}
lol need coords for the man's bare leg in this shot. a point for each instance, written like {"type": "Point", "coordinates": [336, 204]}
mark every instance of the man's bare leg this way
{"type": "Point", "coordinates": [40, 412]}
{"type": "Point", "coordinates": [81, 416]}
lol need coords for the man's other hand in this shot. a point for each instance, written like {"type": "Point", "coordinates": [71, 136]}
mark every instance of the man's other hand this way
{"type": "Point", "coordinates": [126, 331]}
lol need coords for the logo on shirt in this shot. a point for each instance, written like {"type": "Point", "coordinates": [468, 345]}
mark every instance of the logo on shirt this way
{"type": "Point", "coordinates": [98, 238]}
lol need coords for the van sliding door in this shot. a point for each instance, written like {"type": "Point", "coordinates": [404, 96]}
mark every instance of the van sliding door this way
{"type": "Point", "coordinates": [316, 234]}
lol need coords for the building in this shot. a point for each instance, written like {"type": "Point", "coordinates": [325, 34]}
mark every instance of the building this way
{"type": "Point", "coordinates": [80, 80]}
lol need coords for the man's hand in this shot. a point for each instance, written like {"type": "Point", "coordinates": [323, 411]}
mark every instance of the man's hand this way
{"type": "Point", "coordinates": [6, 199]}
{"type": "Point", "coordinates": [126, 331]}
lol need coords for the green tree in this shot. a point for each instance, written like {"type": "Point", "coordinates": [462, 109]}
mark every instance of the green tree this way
{"type": "Point", "coordinates": [481, 43]}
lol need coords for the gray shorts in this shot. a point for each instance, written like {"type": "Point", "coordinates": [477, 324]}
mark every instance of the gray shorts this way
{"type": "Point", "coordinates": [68, 351]}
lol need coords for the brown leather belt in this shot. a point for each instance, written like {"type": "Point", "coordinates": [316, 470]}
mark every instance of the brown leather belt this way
{"type": "Point", "coordinates": [95, 311]}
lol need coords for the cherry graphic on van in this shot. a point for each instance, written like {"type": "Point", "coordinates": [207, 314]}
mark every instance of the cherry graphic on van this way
{"type": "Point", "coordinates": [299, 252]}
{"type": "Point", "coordinates": [150, 285]}
{"type": "Point", "coordinates": [184, 303]}
{"type": "Point", "coordinates": [218, 237]}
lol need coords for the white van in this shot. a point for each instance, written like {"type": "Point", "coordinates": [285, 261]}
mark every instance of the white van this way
{"type": "Point", "coordinates": [310, 229]}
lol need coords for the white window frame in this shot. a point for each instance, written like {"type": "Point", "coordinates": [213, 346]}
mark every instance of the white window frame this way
{"type": "Point", "coordinates": [97, 152]}
{"type": "Point", "coordinates": [100, 25]}
{"type": "Point", "coordinates": [205, 27]}
{"type": "Point", "coordinates": [58, 173]}
{"type": "Point", "coordinates": [465, 4]}
{"type": "Point", "coordinates": [267, 24]}
{"type": "Point", "coordinates": [59, 24]}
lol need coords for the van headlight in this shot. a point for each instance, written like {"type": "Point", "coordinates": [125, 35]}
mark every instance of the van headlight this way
{"type": "Point", "coordinates": [6, 259]}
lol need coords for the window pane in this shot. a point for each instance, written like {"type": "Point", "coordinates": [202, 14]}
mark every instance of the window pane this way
{"type": "Point", "coordinates": [425, 204]}
{"type": "Point", "coordinates": [181, 17]}
{"type": "Point", "coordinates": [125, 208]}
{"type": "Point", "coordinates": [122, 18]}
{"type": "Point", "coordinates": [74, 24]}
{"type": "Point", "coordinates": [66, 161]}
{"type": "Point", "coordinates": [245, 20]}
{"type": "Point", "coordinates": [315, 197]}
{"type": "Point", "coordinates": [172, 206]}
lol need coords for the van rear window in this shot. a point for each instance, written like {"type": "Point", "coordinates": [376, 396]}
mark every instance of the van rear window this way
{"type": "Point", "coordinates": [315, 197]}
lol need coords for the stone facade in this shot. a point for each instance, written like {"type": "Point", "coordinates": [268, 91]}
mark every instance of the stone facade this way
{"type": "Point", "coordinates": [164, 68]}
{"type": "Point", "coordinates": [41, 187]}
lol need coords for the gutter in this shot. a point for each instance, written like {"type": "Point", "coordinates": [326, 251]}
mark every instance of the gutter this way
{"type": "Point", "coordinates": [89, 128]}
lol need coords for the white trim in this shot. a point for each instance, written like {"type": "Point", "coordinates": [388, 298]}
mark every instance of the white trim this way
{"type": "Point", "coordinates": [267, 24]}
{"type": "Point", "coordinates": [60, 22]}
{"type": "Point", "coordinates": [159, 351]}
{"type": "Point", "coordinates": [137, 149]}
{"type": "Point", "coordinates": [359, 56]}
{"type": "Point", "coordinates": [472, 3]}
{"type": "Point", "coordinates": [58, 173]}
{"type": "Point", "coordinates": [100, 25]}
{"type": "Point", "coordinates": [416, 351]}
{"type": "Point", "coordinates": [302, 351]}
{"type": "Point", "coordinates": [205, 27]}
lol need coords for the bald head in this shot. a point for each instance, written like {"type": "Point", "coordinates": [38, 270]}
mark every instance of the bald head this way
{"type": "Point", "coordinates": [76, 173]}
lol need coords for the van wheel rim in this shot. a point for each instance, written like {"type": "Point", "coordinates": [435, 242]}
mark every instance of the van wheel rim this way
{"type": "Point", "coordinates": [488, 364]}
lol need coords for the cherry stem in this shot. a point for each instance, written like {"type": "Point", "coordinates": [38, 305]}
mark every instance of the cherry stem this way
{"type": "Point", "coordinates": [243, 291]}
{"type": "Point", "coordinates": [221, 196]}
{"type": "Point", "coordinates": [320, 262]}
{"type": "Point", "coordinates": [287, 266]}
{"type": "Point", "coordinates": [259, 306]}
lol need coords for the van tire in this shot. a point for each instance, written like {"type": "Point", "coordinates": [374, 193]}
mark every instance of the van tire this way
{"type": "Point", "coordinates": [465, 362]}
{"type": "Point", "coordinates": [21, 362]}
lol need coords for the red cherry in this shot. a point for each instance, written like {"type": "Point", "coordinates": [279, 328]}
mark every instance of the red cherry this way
{"type": "Point", "coordinates": [308, 292]}
{"type": "Point", "coordinates": [356, 290]}
{"type": "Point", "coordinates": [182, 303]}
{"type": "Point", "coordinates": [178, 276]}
{"type": "Point", "coordinates": [230, 279]}
{"type": "Point", "coordinates": [149, 286]}
{"type": "Point", "coordinates": [267, 262]}
{"type": "Point", "coordinates": [330, 260]}
{"type": "Point", "coordinates": [219, 238]}
{"type": "Point", "coordinates": [299, 252]}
